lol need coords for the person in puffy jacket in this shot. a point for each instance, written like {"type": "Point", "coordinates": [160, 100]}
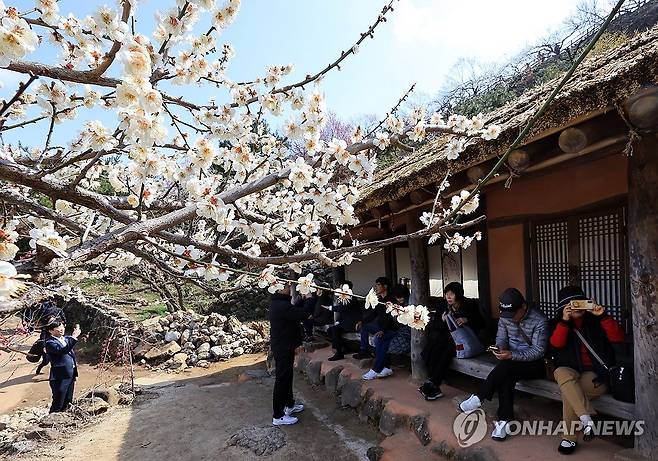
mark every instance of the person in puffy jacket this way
{"type": "Point", "coordinates": [521, 343]}
{"type": "Point", "coordinates": [285, 337]}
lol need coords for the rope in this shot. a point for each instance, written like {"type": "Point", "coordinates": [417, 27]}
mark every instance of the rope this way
{"type": "Point", "coordinates": [513, 174]}
{"type": "Point", "coordinates": [633, 134]}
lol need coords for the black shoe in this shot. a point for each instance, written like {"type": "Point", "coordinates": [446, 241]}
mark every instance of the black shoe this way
{"type": "Point", "coordinates": [335, 357]}
{"type": "Point", "coordinates": [566, 447]}
{"type": "Point", "coordinates": [362, 355]}
{"type": "Point", "coordinates": [434, 393]}
{"type": "Point", "coordinates": [588, 433]}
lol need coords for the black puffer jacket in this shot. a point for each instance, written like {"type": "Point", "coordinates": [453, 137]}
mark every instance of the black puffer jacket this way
{"type": "Point", "coordinates": [285, 329]}
{"type": "Point", "coordinates": [379, 316]}
{"type": "Point", "coordinates": [595, 335]}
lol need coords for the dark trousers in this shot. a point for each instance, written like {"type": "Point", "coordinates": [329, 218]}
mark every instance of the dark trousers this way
{"type": "Point", "coordinates": [336, 334]}
{"type": "Point", "coordinates": [381, 344]}
{"type": "Point", "coordinates": [282, 395]}
{"type": "Point", "coordinates": [503, 378]}
{"type": "Point", "coordinates": [438, 361]}
{"type": "Point", "coordinates": [308, 327]}
{"type": "Point", "coordinates": [62, 394]}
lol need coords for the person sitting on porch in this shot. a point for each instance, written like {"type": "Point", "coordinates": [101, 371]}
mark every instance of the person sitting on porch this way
{"type": "Point", "coordinates": [348, 316]}
{"type": "Point", "coordinates": [521, 342]}
{"type": "Point", "coordinates": [382, 326]}
{"type": "Point", "coordinates": [310, 301]}
{"type": "Point", "coordinates": [401, 341]}
{"type": "Point", "coordinates": [440, 347]}
{"type": "Point", "coordinates": [579, 376]}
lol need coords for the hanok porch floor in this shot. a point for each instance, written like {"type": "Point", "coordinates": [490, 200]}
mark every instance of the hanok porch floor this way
{"type": "Point", "coordinates": [402, 396]}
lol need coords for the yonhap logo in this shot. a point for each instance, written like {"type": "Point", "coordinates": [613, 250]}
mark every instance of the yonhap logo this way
{"type": "Point", "coordinates": [470, 428]}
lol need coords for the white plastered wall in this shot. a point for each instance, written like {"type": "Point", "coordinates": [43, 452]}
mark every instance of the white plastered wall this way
{"type": "Point", "coordinates": [363, 273]}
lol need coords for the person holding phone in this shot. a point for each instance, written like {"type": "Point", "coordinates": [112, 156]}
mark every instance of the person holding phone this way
{"type": "Point", "coordinates": [63, 365]}
{"type": "Point", "coordinates": [579, 376]}
{"type": "Point", "coordinates": [521, 343]}
{"type": "Point", "coordinates": [286, 313]}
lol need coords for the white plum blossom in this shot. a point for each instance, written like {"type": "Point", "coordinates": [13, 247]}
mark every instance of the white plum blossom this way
{"type": "Point", "coordinates": [469, 206]}
{"type": "Point", "coordinates": [304, 284]}
{"type": "Point", "coordinates": [344, 294]}
{"type": "Point", "coordinates": [10, 283]}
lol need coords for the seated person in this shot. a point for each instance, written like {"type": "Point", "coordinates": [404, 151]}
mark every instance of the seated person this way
{"type": "Point", "coordinates": [401, 342]}
{"type": "Point", "coordinates": [322, 315]}
{"type": "Point", "coordinates": [580, 376]}
{"type": "Point", "coordinates": [348, 316]}
{"type": "Point", "coordinates": [440, 347]}
{"type": "Point", "coordinates": [521, 341]}
{"type": "Point", "coordinates": [380, 324]}
{"type": "Point", "coordinates": [309, 300]}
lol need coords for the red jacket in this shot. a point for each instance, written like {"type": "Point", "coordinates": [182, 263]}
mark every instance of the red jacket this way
{"type": "Point", "coordinates": [612, 329]}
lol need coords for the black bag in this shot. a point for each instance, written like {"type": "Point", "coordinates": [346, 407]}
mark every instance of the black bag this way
{"type": "Point", "coordinates": [622, 381]}
{"type": "Point", "coordinates": [36, 351]}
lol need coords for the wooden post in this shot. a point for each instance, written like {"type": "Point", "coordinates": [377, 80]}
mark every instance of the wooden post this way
{"type": "Point", "coordinates": [643, 249]}
{"type": "Point", "coordinates": [420, 294]}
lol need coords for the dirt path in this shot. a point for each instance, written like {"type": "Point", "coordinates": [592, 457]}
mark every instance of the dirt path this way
{"type": "Point", "coordinates": [191, 417]}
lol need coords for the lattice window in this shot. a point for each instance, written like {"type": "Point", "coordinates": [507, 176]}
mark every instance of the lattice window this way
{"type": "Point", "coordinates": [586, 250]}
{"type": "Point", "coordinates": [601, 260]}
{"type": "Point", "coordinates": [552, 244]}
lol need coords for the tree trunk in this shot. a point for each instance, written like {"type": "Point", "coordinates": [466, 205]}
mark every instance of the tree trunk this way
{"type": "Point", "coordinates": [643, 249]}
{"type": "Point", "coordinates": [420, 294]}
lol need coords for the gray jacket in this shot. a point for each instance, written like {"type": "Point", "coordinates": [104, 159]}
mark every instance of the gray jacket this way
{"type": "Point", "coordinates": [534, 325]}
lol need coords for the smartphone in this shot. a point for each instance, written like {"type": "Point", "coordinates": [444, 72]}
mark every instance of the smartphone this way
{"type": "Point", "coordinates": [493, 349]}
{"type": "Point", "coordinates": [582, 305]}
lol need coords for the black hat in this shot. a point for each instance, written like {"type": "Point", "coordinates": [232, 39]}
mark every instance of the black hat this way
{"type": "Point", "coordinates": [568, 294]}
{"type": "Point", "coordinates": [511, 301]}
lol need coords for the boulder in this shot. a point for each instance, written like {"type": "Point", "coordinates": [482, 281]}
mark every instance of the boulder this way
{"type": "Point", "coordinates": [41, 433]}
{"type": "Point", "coordinates": [23, 446]}
{"type": "Point", "coordinates": [57, 420]}
{"type": "Point", "coordinates": [92, 405]}
{"type": "Point", "coordinates": [220, 352]}
{"type": "Point", "coordinates": [109, 394]}
{"type": "Point", "coordinates": [180, 358]}
{"type": "Point", "coordinates": [185, 336]}
{"type": "Point", "coordinates": [152, 324]}
{"type": "Point", "coordinates": [233, 325]}
{"type": "Point", "coordinates": [162, 351]}
{"type": "Point", "coordinates": [172, 335]}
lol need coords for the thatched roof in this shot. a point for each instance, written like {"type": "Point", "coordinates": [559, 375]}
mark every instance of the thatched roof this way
{"type": "Point", "coordinates": [599, 82]}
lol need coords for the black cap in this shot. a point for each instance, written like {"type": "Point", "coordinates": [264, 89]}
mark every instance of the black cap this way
{"type": "Point", "coordinates": [511, 301]}
{"type": "Point", "coordinates": [568, 294]}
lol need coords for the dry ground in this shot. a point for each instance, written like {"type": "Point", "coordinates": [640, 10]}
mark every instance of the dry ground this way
{"type": "Point", "coordinates": [190, 416]}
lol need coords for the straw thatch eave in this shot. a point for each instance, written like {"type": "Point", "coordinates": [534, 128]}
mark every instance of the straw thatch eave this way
{"type": "Point", "coordinates": [601, 82]}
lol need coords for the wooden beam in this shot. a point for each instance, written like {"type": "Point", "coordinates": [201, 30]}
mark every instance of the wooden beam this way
{"type": "Point", "coordinates": [398, 205]}
{"type": "Point", "coordinates": [519, 160]}
{"type": "Point", "coordinates": [419, 196]}
{"type": "Point", "coordinates": [642, 109]}
{"type": "Point", "coordinates": [476, 173]}
{"type": "Point", "coordinates": [420, 294]}
{"type": "Point", "coordinates": [643, 249]}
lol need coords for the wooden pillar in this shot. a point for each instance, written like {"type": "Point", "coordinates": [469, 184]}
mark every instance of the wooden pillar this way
{"type": "Point", "coordinates": [642, 111]}
{"type": "Point", "coordinates": [420, 294]}
{"type": "Point", "coordinates": [643, 250]}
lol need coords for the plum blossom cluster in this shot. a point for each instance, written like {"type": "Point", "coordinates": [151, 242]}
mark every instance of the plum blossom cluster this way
{"type": "Point", "coordinates": [209, 180]}
{"type": "Point", "coordinates": [457, 241]}
{"type": "Point", "coordinates": [416, 317]}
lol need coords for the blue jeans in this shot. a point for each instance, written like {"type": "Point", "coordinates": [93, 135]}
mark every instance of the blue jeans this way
{"type": "Point", "coordinates": [381, 344]}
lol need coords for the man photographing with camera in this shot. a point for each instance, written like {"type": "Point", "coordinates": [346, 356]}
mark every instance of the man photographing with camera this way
{"type": "Point", "coordinates": [63, 366]}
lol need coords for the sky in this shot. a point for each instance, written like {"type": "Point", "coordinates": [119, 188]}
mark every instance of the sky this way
{"type": "Point", "coordinates": [419, 44]}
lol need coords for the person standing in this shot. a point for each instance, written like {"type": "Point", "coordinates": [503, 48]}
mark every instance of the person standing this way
{"type": "Point", "coordinates": [285, 337]}
{"type": "Point", "coordinates": [40, 317]}
{"type": "Point", "coordinates": [521, 343]}
{"type": "Point", "coordinates": [580, 376]}
{"type": "Point", "coordinates": [63, 366]}
{"type": "Point", "coordinates": [440, 348]}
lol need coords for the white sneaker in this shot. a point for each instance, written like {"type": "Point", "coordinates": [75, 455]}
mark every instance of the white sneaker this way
{"type": "Point", "coordinates": [372, 374]}
{"type": "Point", "coordinates": [296, 409]}
{"type": "Point", "coordinates": [284, 420]}
{"type": "Point", "coordinates": [470, 404]}
{"type": "Point", "coordinates": [500, 432]}
{"type": "Point", "coordinates": [385, 372]}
